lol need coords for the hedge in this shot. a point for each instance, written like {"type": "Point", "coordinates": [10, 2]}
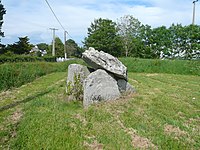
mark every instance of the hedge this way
{"type": "Point", "coordinates": [23, 58]}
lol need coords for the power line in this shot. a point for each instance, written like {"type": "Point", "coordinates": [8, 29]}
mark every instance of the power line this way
{"type": "Point", "coordinates": [57, 18]}
{"type": "Point", "coordinates": [55, 15]}
{"type": "Point", "coordinates": [65, 32]}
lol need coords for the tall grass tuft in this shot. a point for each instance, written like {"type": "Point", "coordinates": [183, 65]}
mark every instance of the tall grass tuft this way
{"type": "Point", "coordinates": [17, 74]}
{"type": "Point", "coordinates": [184, 67]}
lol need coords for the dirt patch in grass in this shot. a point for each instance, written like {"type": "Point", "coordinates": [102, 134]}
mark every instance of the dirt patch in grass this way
{"type": "Point", "coordinates": [169, 129]}
{"type": "Point", "coordinates": [82, 119]}
{"type": "Point", "coordinates": [193, 120]}
{"type": "Point", "coordinates": [113, 107]}
{"type": "Point", "coordinates": [16, 116]}
{"type": "Point", "coordinates": [178, 134]}
{"type": "Point", "coordinates": [14, 120]}
{"type": "Point", "coordinates": [181, 115]}
{"type": "Point", "coordinates": [137, 141]}
{"type": "Point", "coordinates": [6, 94]}
{"type": "Point", "coordinates": [193, 123]}
{"type": "Point", "coordinates": [92, 143]}
{"type": "Point", "coordinates": [9, 127]}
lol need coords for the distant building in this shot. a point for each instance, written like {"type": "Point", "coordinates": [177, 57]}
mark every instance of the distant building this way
{"type": "Point", "coordinates": [36, 50]}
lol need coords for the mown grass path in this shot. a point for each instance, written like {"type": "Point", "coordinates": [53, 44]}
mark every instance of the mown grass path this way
{"type": "Point", "coordinates": [163, 114]}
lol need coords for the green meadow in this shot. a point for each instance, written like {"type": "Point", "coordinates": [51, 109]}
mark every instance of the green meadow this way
{"type": "Point", "coordinates": [164, 113]}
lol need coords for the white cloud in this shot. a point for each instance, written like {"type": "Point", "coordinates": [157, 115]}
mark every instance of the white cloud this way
{"type": "Point", "coordinates": [33, 18]}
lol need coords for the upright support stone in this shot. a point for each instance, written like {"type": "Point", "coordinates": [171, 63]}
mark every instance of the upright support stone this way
{"type": "Point", "coordinates": [76, 75]}
{"type": "Point", "coordinates": [99, 86]}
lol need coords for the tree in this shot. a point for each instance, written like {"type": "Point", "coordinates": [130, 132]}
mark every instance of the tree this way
{"type": "Point", "coordinates": [73, 50]}
{"type": "Point", "coordinates": [59, 47]}
{"type": "Point", "coordinates": [2, 48]}
{"type": "Point", "coordinates": [2, 12]}
{"type": "Point", "coordinates": [185, 41]}
{"type": "Point", "coordinates": [192, 42]}
{"type": "Point", "coordinates": [21, 47]}
{"type": "Point", "coordinates": [129, 30]}
{"type": "Point", "coordinates": [146, 34]}
{"type": "Point", "coordinates": [102, 35]}
{"type": "Point", "coordinates": [161, 41]}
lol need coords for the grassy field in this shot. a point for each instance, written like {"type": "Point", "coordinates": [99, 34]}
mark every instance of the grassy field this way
{"type": "Point", "coordinates": [16, 74]}
{"type": "Point", "coordinates": [163, 114]}
{"type": "Point", "coordinates": [184, 67]}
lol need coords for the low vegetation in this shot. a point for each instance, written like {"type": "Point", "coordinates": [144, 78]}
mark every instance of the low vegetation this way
{"type": "Point", "coordinates": [24, 58]}
{"type": "Point", "coordinates": [17, 74]}
{"type": "Point", "coordinates": [183, 67]}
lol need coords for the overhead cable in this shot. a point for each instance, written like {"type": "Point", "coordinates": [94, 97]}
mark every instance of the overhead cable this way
{"type": "Point", "coordinates": [55, 15]}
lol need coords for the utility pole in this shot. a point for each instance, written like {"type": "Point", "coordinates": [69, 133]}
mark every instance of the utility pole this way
{"type": "Point", "coordinates": [65, 46]}
{"type": "Point", "coordinates": [193, 18]}
{"type": "Point", "coordinates": [53, 43]}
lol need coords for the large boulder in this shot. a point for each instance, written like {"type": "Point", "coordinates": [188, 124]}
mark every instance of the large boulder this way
{"type": "Point", "coordinates": [99, 86]}
{"type": "Point", "coordinates": [102, 60]}
{"type": "Point", "coordinates": [76, 75]}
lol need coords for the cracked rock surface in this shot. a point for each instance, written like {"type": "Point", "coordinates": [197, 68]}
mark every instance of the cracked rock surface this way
{"type": "Point", "coordinates": [102, 60]}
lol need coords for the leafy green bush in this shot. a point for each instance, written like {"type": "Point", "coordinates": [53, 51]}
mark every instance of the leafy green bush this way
{"type": "Point", "coordinates": [17, 74]}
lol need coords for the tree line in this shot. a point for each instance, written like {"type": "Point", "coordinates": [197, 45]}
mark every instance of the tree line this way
{"type": "Point", "coordinates": [24, 47]}
{"type": "Point", "coordinates": [129, 37]}
{"type": "Point", "coordinates": [126, 37]}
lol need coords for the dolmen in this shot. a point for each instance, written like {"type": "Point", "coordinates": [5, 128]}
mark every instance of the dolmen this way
{"type": "Point", "coordinates": [104, 80]}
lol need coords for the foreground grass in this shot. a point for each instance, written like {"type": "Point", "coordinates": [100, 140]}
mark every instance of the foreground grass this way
{"type": "Point", "coordinates": [12, 103]}
{"type": "Point", "coordinates": [164, 114]}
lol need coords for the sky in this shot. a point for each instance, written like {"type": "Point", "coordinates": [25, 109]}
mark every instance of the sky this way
{"type": "Point", "coordinates": [33, 18]}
